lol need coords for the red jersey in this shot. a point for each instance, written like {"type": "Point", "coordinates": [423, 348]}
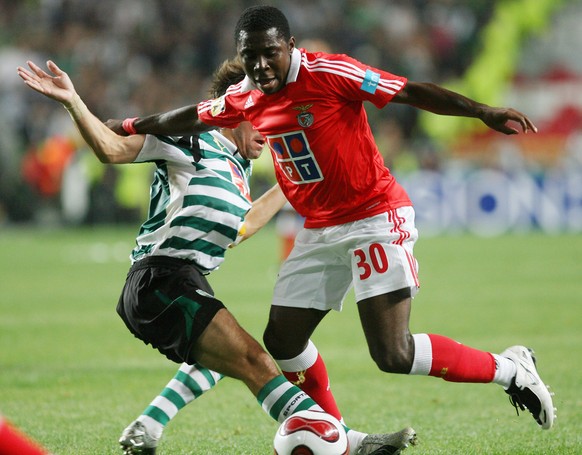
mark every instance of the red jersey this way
{"type": "Point", "coordinates": [326, 160]}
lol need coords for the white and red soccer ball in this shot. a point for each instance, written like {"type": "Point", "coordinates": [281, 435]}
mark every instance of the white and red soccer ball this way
{"type": "Point", "coordinates": [311, 433]}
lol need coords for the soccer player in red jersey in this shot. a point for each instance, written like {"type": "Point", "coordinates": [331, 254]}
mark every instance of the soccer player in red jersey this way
{"type": "Point", "coordinates": [15, 442]}
{"type": "Point", "coordinates": [359, 222]}
{"type": "Point", "coordinates": [166, 300]}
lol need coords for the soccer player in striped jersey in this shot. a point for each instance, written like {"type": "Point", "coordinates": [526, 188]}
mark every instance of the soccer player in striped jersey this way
{"type": "Point", "coordinates": [200, 205]}
{"type": "Point", "coordinates": [359, 222]}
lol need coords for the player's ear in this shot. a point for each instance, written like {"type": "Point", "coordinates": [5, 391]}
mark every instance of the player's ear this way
{"type": "Point", "coordinates": [291, 44]}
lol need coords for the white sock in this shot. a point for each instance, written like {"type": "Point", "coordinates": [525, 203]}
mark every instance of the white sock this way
{"type": "Point", "coordinates": [505, 371]}
{"type": "Point", "coordinates": [355, 438]}
{"type": "Point", "coordinates": [303, 361]}
{"type": "Point", "coordinates": [154, 427]}
{"type": "Point", "coordinates": [422, 362]}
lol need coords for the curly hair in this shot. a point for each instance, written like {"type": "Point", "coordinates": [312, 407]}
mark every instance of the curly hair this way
{"type": "Point", "coordinates": [261, 19]}
{"type": "Point", "coordinates": [230, 72]}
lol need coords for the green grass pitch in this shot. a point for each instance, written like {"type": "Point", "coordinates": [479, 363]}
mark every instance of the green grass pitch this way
{"type": "Point", "coordinates": [73, 377]}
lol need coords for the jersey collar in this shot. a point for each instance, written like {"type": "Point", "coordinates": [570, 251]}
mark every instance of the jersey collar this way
{"type": "Point", "coordinates": [223, 142]}
{"type": "Point", "coordinates": [249, 85]}
{"type": "Point", "coordinates": [295, 64]}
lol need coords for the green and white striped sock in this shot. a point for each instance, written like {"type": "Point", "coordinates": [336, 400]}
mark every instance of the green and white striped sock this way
{"type": "Point", "coordinates": [279, 398]}
{"type": "Point", "coordinates": [190, 382]}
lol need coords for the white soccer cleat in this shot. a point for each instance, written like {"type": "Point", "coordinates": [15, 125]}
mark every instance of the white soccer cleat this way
{"type": "Point", "coordinates": [527, 390]}
{"type": "Point", "coordinates": [136, 440]}
{"type": "Point", "coordinates": [387, 444]}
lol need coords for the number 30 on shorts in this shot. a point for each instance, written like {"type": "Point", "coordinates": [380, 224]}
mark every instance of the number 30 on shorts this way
{"type": "Point", "coordinates": [374, 258]}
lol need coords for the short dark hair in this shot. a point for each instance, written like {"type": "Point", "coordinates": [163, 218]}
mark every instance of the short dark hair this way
{"type": "Point", "coordinates": [261, 19]}
{"type": "Point", "coordinates": [230, 72]}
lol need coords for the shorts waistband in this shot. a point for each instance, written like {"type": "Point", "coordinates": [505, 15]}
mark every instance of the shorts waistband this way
{"type": "Point", "coordinates": [163, 261]}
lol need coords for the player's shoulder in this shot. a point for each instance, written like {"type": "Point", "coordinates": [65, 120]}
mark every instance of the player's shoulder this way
{"type": "Point", "coordinates": [188, 142]}
{"type": "Point", "coordinates": [319, 56]}
{"type": "Point", "coordinates": [178, 148]}
{"type": "Point", "coordinates": [328, 63]}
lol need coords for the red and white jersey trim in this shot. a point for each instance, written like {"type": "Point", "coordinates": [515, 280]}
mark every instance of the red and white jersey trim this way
{"type": "Point", "coordinates": [350, 71]}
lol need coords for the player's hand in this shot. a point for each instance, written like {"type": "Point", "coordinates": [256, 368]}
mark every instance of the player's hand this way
{"type": "Point", "coordinates": [497, 118]}
{"type": "Point", "coordinates": [116, 126]}
{"type": "Point", "coordinates": [57, 86]}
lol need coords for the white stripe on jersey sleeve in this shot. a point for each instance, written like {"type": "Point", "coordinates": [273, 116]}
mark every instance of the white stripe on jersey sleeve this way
{"type": "Point", "coordinates": [349, 71]}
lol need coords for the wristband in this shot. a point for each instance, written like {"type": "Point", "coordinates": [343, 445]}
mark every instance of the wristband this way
{"type": "Point", "coordinates": [128, 125]}
{"type": "Point", "coordinates": [240, 236]}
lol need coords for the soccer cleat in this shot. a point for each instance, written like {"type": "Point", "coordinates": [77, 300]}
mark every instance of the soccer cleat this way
{"type": "Point", "coordinates": [387, 444]}
{"type": "Point", "coordinates": [136, 440]}
{"type": "Point", "coordinates": [527, 390]}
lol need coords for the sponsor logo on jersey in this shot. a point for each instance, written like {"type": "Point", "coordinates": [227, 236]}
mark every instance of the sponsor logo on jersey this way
{"type": "Point", "coordinates": [304, 118]}
{"type": "Point", "coordinates": [239, 180]}
{"type": "Point", "coordinates": [217, 106]}
{"type": "Point", "coordinates": [250, 102]}
{"type": "Point", "coordinates": [370, 82]}
{"type": "Point", "coordinates": [295, 158]}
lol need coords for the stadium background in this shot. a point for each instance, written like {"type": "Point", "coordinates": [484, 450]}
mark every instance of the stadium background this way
{"type": "Point", "coordinates": [135, 57]}
{"type": "Point", "coordinates": [70, 374]}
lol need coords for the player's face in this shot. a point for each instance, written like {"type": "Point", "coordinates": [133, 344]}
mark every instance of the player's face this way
{"type": "Point", "coordinates": [248, 140]}
{"type": "Point", "coordinates": [266, 58]}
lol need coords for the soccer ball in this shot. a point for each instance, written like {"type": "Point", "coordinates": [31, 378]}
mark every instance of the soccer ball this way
{"type": "Point", "coordinates": [311, 433]}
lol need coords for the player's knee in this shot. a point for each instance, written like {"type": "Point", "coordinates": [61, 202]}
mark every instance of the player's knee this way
{"type": "Point", "coordinates": [393, 360]}
{"type": "Point", "coordinates": [280, 347]}
{"type": "Point", "coordinates": [275, 344]}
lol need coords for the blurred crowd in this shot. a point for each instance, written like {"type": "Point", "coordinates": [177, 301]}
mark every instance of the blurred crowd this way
{"type": "Point", "coordinates": [131, 57]}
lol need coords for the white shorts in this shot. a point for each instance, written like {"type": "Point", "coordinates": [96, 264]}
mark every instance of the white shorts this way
{"type": "Point", "coordinates": [374, 255]}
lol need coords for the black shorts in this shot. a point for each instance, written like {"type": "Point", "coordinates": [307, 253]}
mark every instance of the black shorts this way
{"type": "Point", "coordinates": [167, 302]}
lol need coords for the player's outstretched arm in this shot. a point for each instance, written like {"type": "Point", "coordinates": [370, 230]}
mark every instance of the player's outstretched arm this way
{"type": "Point", "coordinates": [261, 212]}
{"type": "Point", "coordinates": [439, 100]}
{"type": "Point", "coordinates": [178, 122]}
{"type": "Point", "coordinates": [108, 146]}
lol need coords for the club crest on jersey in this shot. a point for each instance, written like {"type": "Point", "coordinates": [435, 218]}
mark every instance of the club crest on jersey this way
{"type": "Point", "coordinates": [217, 106]}
{"type": "Point", "coordinates": [292, 153]}
{"type": "Point", "coordinates": [304, 118]}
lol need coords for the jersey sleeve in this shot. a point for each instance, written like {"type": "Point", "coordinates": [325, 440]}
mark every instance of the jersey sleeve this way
{"type": "Point", "coordinates": [151, 150]}
{"type": "Point", "coordinates": [221, 112]}
{"type": "Point", "coordinates": [353, 80]}
{"type": "Point", "coordinates": [163, 149]}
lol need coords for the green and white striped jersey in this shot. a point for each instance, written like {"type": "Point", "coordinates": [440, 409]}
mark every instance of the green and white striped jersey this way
{"type": "Point", "coordinates": [198, 198]}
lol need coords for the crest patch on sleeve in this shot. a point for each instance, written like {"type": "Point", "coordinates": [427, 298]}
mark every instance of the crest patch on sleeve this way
{"type": "Point", "coordinates": [217, 106]}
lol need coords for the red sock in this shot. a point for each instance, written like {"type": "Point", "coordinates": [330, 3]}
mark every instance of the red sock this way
{"type": "Point", "coordinates": [13, 442]}
{"type": "Point", "coordinates": [315, 382]}
{"type": "Point", "coordinates": [455, 362]}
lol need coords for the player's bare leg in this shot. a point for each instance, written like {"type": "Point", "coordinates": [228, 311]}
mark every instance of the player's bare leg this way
{"type": "Point", "coordinates": [385, 320]}
{"type": "Point", "coordinates": [225, 347]}
{"type": "Point", "coordinates": [287, 337]}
